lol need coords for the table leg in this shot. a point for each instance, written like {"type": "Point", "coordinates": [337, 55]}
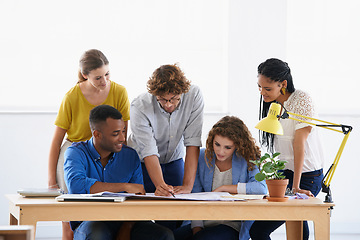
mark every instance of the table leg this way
{"type": "Point", "coordinates": [294, 230]}
{"type": "Point", "coordinates": [322, 229]}
{"type": "Point", "coordinates": [13, 220]}
{"type": "Point", "coordinates": [25, 219]}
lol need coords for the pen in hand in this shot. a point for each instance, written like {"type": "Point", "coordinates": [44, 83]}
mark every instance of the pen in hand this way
{"type": "Point", "coordinates": [164, 190]}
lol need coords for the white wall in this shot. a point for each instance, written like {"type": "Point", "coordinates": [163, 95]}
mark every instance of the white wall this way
{"type": "Point", "coordinates": [254, 34]}
{"type": "Point", "coordinates": [136, 36]}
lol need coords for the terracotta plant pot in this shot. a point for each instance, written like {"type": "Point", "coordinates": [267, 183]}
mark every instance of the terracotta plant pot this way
{"type": "Point", "coordinates": [277, 187]}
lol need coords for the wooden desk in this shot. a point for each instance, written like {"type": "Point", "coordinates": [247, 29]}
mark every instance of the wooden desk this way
{"type": "Point", "coordinates": [28, 211]}
{"type": "Point", "coordinates": [17, 232]}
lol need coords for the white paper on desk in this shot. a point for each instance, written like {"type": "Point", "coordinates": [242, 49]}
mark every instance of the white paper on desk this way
{"type": "Point", "coordinates": [202, 196]}
{"type": "Point", "coordinates": [246, 196]}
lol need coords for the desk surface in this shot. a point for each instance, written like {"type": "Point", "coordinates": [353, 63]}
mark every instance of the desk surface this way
{"type": "Point", "coordinates": [27, 211]}
{"type": "Point", "coordinates": [174, 209]}
{"type": "Point", "coordinates": [48, 201]}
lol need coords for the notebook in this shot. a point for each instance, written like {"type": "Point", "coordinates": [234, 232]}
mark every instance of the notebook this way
{"type": "Point", "coordinates": [39, 192]}
{"type": "Point", "coordinates": [89, 198]}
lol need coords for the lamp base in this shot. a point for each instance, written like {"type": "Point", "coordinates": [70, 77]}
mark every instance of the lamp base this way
{"type": "Point", "coordinates": [328, 198]}
{"type": "Point", "coordinates": [326, 189]}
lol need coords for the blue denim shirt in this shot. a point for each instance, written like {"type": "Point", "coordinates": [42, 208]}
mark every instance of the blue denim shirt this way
{"type": "Point", "coordinates": [82, 167]}
{"type": "Point", "coordinates": [240, 174]}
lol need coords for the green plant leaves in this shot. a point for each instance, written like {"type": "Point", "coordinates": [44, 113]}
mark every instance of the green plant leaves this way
{"type": "Point", "coordinates": [264, 157]}
{"type": "Point", "coordinates": [269, 167]}
{"type": "Point", "coordinates": [260, 177]}
{"type": "Point", "coordinates": [275, 154]}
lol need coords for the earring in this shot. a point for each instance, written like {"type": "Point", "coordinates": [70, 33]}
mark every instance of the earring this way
{"type": "Point", "coordinates": [283, 91]}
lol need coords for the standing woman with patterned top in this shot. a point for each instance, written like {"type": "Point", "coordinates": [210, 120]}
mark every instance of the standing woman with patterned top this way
{"type": "Point", "coordinates": [300, 145]}
{"type": "Point", "coordinates": [93, 88]}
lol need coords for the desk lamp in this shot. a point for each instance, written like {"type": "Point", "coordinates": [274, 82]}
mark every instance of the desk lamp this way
{"type": "Point", "coordinates": [271, 124]}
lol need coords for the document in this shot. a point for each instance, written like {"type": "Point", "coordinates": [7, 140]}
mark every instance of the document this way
{"type": "Point", "coordinates": [202, 196]}
{"type": "Point", "coordinates": [120, 197]}
{"type": "Point", "coordinates": [246, 196]}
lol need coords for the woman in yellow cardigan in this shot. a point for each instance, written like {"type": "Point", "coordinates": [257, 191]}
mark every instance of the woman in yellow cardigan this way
{"type": "Point", "coordinates": [93, 88]}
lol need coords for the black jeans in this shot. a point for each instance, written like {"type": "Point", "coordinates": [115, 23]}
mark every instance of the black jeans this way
{"type": "Point", "coordinates": [107, 230]}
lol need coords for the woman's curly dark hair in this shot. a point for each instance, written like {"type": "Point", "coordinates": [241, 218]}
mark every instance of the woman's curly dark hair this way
{"type": "Point", "coordinates": [168, 79]}
{"type": "Point", "coordinates": [234, 129]}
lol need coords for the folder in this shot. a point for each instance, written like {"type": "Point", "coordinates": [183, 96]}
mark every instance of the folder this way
{"type": "Point", "coordinates": [39, 192]}
{"type": "Point", "coordinates": [89, 198]}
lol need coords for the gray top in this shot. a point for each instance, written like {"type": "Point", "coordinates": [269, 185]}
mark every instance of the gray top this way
{"type": "Point", "coordinates": [221, 178]}
{"type": "Point", "coordinates": [157, 132]}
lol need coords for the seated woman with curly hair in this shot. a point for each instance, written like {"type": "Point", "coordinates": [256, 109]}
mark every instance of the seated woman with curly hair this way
{"type": "Point", "coordinates": [224, 167]}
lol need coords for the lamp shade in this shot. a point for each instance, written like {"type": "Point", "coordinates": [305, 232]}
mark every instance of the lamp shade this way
{"type": "Point", "coordinates": [271, 123]}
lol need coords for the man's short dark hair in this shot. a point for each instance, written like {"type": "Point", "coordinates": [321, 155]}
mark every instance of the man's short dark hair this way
{"type": "Point", "coordinates": [100, 113]}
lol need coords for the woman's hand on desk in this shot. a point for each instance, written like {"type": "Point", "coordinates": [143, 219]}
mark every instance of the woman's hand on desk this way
{"type": "Point", "coordinates": [227, 188]}
{"type": "Point", "coordinates": [53, 185]}
{"type": "Point", "coordinates": [307, 192]}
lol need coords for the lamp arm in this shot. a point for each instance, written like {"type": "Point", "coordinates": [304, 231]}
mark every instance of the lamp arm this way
{"type": "Point", "coordinates": [345, 129]}
{"type": "Point", "coordinates": [336, 161]}
{"type": "Point", "coordinates": [325, 183]}
{"type": "Point", "coordinates": [329, 125]}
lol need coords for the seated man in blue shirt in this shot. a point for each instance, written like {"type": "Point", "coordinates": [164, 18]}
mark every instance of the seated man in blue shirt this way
{"type": "Point", "coordinates": [103, 163]}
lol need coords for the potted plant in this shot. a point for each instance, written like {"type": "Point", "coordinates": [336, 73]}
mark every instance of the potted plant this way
{"type": "Point", "coordinates": [269, 166]}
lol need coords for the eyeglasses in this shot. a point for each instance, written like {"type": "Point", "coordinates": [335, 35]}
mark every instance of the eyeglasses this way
{"type": "Point", "coordinates": [172, 100]}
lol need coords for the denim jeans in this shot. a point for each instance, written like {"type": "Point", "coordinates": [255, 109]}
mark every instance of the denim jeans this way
{"type": "Point", "coordinates": [173, 174]}
{"type": "Point", "coordinates": [261, 230]}
{"type": "Point", "coordinates": [107, 230]}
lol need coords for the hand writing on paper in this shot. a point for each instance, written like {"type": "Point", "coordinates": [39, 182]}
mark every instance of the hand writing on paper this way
{"type": "Point", "coordinates": [164, 190]}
